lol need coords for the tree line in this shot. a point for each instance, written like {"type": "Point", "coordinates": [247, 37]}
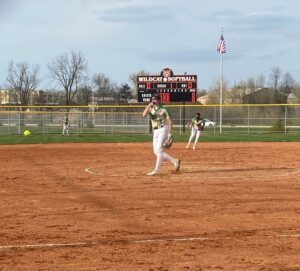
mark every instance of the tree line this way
{"type": "Point", "coordinates": [73, 85]}
{"type": "Point", "coordinates": [277, 81]}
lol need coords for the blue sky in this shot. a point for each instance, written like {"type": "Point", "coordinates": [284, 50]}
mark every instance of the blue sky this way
{"type": "Point", "coordinates": [121, 37]}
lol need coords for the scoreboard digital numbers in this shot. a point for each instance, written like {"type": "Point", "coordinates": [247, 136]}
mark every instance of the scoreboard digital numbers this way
{"type": "Point", "coordinates": [172, 88]}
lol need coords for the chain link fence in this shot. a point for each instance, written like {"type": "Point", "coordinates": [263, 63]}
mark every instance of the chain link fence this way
{"type": "Point", "coordinates": [128, 119]}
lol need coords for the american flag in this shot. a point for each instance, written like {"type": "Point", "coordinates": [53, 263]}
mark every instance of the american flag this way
{"type": "Point", "coordinates": [221, 46]}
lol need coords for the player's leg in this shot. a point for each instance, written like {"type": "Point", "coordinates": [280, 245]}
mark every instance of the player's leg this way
{"type": "Point", "coordinates": [191, 138]}
{"type": "Point", "coordinates": [196, 139]}
{"type": "Point", "coordinates": [159, 136]}
{"type": "Point", "coordinates": [175, 162]}
{"type": "Point", "coordinates": [157, 149]}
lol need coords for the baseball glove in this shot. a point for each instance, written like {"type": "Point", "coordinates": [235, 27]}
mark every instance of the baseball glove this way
{"type": "Point", "coordinates": [168, 142]}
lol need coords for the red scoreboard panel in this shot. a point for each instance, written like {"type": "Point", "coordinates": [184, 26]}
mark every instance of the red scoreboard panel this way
{"type": "Point", "coordinates": [177, 88]}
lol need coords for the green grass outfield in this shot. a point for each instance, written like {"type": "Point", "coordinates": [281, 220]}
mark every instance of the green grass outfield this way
{"type": "Point", "coordinates": [117, 138]}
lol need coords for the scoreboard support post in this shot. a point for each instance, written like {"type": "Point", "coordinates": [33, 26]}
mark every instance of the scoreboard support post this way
{"type": "Point", "coordinates": [183, 118]}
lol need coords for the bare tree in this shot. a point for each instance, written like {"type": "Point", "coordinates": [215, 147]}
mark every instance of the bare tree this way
{"type": "Point", "coordinates": [214, 97]}
{"type": "Point", "coordinates": [133, 81]}
{"type": "Point", "coordinates": [125, 93]}
{"type": "Point", "coordinates": [22, 82]}
{"type": "Point", "coordinates": [251, 84]}
{"type": "Point", "coordinates": [287, 83]}
{"type": "Point", "coordinates": [274, 77]}
{"type": "Point", "coordinates": [84, 95]}
{"type": "Point", "coordinates": [236, 94]}
{"type": "Point", "coordinates": [214, 92]}
{"type": "Point", "coordinates": [296, 90]}
{"type": "Point", "coordinates": [260, 81]}
{"type": "Point", "coordinates": [49, 97]}
{"type": "Point", "coordinates": [104, 88]}
{"type": "Point", "coordinates": [69, 70]}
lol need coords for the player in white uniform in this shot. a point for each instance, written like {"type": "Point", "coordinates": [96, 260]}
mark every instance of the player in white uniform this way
{"type": "Point", "coordinates": [66, 126]}
{"type": "Point", "coordinates": [197, 126]}
{"type": "Point", "coordinates": [162, 128]}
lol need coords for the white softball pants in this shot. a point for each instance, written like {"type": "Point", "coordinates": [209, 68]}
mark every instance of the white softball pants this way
{"type": "Point", "coordinates": [159, 136]}
{"type": "Point", "coordinates": [195, 133]}
{"type": "Point", "coordinates": [66, 130]}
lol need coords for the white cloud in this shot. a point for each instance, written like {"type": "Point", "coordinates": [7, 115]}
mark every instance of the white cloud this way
{"type": "Point", "coordinates": [119, 37]}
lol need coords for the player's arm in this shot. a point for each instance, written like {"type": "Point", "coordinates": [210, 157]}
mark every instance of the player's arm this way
{"type": "Point", "coordinates": [170, 125]}
{"type": "Point", "coordinates": [147, 109]}
{"type": "Point", "coordinates": [169, 122]}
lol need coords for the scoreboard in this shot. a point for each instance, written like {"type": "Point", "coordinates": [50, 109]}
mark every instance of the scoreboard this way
{"type": "Point", "coordinates": [175, 88]}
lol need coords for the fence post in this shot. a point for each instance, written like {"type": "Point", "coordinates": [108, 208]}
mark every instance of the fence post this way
{"type": "Point", "coordinates": [104, 122]}
{"type": "Point", "coordinates": [82, 122]}
{"type": "Point", "coordinates": [47, 122]}
{"type": "Point", "coordinates": [215, 119]}
{"type": "Point", "coordinates": [9, 121]}
{"type": "Point", "coordinates": [125, 122]}
{"type": "Point", "coordinates": [113, 120]}
{"type": "Point", "coordinates": [248, 119]}
{"type": "Point", "coordinates": [48, 118]}
{"type": "Point", "coordinates": [43, 118]}
{"type": "Point", "coordinates": [79, 121]}
{"type": "Point", "coordinates": [285, 114]}
{"type": "Point", "coordinates": [19, 123]}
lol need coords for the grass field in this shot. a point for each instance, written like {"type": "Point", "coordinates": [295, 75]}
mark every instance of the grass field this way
{"type": "Point", "coordinates": [114, 138]}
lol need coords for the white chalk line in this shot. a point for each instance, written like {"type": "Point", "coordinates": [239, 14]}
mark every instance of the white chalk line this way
{"type": "Point", "coordinates": [170, 239]}
{"type": "Point", "coordinates": [288, 235]}
{"type": "Point", "coordinates": [91, 171]}
{"type": "Point", "coordinates": [156, 240]}
{"type": "Point", "coordinates": [44, 245]}
{"type": "Point", "coordinates": [296, 171]}
{"type": "Point", "coordinates": [53, 245]}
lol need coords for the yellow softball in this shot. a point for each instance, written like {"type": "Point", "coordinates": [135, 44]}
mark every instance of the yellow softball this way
{"type": "Point", "coordinates": [26, 133]}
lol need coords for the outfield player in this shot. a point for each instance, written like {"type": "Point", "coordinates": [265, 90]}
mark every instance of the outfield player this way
{"type": "Point", "coordinates": [197, 126]}
{"type": "Point", "coordinates": [66, 126]}
{"type": "Point", "coordinates": [162, 128]}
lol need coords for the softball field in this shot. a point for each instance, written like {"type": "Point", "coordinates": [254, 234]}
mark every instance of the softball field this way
{"type": "Point", "coordinates": [233, 206]}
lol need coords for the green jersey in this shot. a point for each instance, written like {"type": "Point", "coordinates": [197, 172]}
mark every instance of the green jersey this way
{"type": "Point", "coordinates": [198, 123]}
{"type": "Point", "coordinates": [158, 116]}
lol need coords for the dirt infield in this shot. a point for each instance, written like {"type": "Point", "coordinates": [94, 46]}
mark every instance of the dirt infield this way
{"type": "Point", "coordinates": [233, 206]}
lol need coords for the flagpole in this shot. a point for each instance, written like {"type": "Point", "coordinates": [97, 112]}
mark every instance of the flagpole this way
{"type": "Point", "coordinates": [221, 93]}
{"type": "Point", "coordinates": [221, 88]}
{"type": "Point", "coordinates": [221, 49]}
